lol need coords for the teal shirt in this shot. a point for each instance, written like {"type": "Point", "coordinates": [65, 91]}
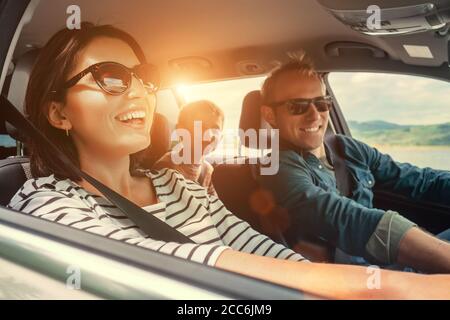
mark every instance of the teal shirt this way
{"type": "Point", "coordinates": [308, 191]}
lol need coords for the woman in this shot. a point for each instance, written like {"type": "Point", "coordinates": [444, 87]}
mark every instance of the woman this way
{"type": "Point", "coordinates": [92, 95]}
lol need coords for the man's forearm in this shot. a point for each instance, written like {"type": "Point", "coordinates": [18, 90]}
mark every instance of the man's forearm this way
{"type": "Point", "coordinates": [424, 252]}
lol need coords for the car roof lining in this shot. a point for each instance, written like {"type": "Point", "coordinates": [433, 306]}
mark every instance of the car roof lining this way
{"type": "Point", "coordinates": [226, 33]}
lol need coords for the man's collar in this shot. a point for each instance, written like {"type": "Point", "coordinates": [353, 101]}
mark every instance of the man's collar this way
{"type": "Point", "coordinates": [286, 145]}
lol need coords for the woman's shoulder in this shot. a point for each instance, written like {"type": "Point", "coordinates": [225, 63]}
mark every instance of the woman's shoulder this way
{"type": "Point", "coordinates": [45, 187]}
{"type": "Point", "coordinates": [49, 183]}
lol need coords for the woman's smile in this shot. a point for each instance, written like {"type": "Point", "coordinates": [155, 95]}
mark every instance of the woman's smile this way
{"type": "Point", "coordinates": [134, 117]}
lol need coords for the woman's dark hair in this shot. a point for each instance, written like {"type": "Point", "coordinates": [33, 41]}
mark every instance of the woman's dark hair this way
{"type": "Point", "coordinates": [51, 69]}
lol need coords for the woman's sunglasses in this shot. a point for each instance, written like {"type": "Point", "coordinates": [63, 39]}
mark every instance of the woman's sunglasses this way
{"type": "Point", "coordinates": [301, 106]}
{"type": "Point", "coordinates": [115, 78]}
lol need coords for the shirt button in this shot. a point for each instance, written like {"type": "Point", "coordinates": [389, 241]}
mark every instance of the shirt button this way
{"type": "Point", "coordinates": [370, 181]}
{"type": "Point", "coordinates": [320, 167]}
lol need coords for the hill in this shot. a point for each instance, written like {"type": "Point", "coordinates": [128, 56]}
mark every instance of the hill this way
{"type": "Point", "coordinates": [382, 132]}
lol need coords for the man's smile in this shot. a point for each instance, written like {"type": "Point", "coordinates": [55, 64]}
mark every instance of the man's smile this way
{"type": "Point", "coordinates": [311, 129]}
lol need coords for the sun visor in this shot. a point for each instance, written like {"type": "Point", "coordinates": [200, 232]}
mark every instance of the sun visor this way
{"type": "Point", "coordinates": [390, 18]}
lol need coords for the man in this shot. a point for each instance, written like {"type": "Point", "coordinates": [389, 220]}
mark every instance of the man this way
{"type": "Point", "coordinates": [295, 102]}
{"type": "Point", "coordinates": [194, 122]}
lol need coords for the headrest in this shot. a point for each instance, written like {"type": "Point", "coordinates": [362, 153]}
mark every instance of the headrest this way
{"type": "Point", "coordinates": [251, 118]}
{"type": "Point", "coordinates": [18, 86]}
{"type": "Point", "coordinates": [160, 142]}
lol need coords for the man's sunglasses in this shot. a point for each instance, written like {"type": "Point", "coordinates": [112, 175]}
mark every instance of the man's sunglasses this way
{"type": "Point", "coordinates": [115, 78]}
{"type": "Point", "coordinates": [301, 106]}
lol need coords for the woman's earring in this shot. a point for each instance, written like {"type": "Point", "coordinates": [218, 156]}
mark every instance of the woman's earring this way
{"type": "Point", "coordinates": [67, 132]}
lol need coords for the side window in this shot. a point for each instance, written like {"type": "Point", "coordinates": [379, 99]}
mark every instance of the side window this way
{"type": "Point", "coordinates": [7, 146]}
{"type": "Point", "coordinates": [6, 141]}
{"type": "Point", "coordinates": [227, 95]}
{"type": "Point", "coordinates": [407, 117]}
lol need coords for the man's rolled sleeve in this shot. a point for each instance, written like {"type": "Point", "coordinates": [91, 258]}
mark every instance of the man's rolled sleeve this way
{"type": "Point", "coordinates": [384, 242]}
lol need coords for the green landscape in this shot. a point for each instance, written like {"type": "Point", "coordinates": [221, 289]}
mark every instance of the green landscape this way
{"type": "Point", "coordinates": [386, 133]}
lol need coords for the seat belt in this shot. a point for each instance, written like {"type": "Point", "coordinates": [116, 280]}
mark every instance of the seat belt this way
{"type": "Point", "coordinates": [337, 157]}
{"type": "Point", "coordinates": [343, 179]}
{"type": "Point", "coordinates": [148, 223]}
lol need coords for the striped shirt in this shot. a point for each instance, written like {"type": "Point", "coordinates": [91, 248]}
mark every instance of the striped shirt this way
{"type": "Point", "coordinates": [200, 173]}
{"type": "Point", "coordinates": [183, 204]}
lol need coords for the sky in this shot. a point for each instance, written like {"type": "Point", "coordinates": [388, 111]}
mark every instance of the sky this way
{"type": "Point", "coordinates": [393, 98]}
{"type": "Point", "coordinates": [362, 97]}
{"type": "Point", "coordinates": [228, 95]}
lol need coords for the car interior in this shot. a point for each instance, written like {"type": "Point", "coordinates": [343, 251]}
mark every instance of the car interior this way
{"type": "Point", "coordinates": [208, 41]}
